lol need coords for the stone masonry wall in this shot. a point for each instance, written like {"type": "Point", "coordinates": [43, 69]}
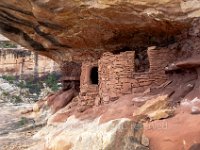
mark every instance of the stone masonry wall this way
{"type": "Point", "coordinates": [88, 91]}
{"type": "Point", "coordinates": [158, 59]}
{"type": "Point", "coordinates": [115, 75]}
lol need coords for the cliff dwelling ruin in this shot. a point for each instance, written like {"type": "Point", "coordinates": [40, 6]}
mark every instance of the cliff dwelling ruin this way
{"type": "Point", "coordinates": [114, 75]}
{"type": "Point", "coordinates": [132, 59]}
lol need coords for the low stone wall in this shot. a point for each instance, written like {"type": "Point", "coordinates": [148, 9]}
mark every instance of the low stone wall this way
{"type": "Point", "coordinates": [158, 60]}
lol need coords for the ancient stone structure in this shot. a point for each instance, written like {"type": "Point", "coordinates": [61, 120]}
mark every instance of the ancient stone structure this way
{"type": "Point", "coordinates": [112, 40]}
{"type": "Point", "coordinates": [71, 75]}
{"type": "Point", "coordinates": [88, 86]}
{"type": "Point", "coordinates": [85, 31]}
{"type": "Point", "coordinates": [116, 75]}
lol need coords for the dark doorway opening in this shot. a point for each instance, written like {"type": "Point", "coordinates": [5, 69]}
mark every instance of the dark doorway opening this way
{"type": "Point", "coordinates": [94, 75]}
{"type": "Point", "coordinates": [141, 60]}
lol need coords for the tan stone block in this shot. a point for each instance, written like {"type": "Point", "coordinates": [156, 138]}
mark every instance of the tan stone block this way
{"type": "Point", "coordinates": [106, 99]}
{"type": "Point", "coordinates": [113, 94]}
{"type": "Point", "coordinates": [126, 88]}
{"type": "Point", "coordinates": [145, 83]}
{"type": "Point", "coordinates": [125, 79]}
{"type": "Point", "coordinates": [138, 90]}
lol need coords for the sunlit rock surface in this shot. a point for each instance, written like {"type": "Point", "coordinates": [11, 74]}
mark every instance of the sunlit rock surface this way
{"type": "Point", "coordinates": [74, 134]}
{"type": "Point", "coordinates": [83, 29]}
{"type": "Point", "coordinates": [18, 61]}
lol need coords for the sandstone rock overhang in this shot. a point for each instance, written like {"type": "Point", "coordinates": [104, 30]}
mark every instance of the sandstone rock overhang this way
{"type": "Point", "coordinates": [78, 30]}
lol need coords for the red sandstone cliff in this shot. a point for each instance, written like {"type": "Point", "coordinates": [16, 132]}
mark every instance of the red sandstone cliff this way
{"type": "Point", "coordinates": [17, 61]}
{"type": "Point", "coordinates": [80, 30]}
{"type": "Point", "coordinates": [132, 59]}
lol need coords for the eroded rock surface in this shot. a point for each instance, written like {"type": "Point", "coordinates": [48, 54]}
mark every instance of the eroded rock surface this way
{"type": "Point", "coordinates": [84, 29]}
{"type": "Point", "coordinates": [119, 134]}
{"type": "Point", "coordinates": [155, 109]}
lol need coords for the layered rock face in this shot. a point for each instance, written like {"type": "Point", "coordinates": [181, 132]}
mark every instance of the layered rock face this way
{"type": "Point", "coordinates": [21, 62]}
{"type": "Point", "coordinates": [107, 46]}
{"type": "Point", "coordinates": [83, 29]}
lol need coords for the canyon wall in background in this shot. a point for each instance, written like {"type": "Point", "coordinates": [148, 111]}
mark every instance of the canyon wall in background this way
{"type": "Point", "coordinates": [18, 61]}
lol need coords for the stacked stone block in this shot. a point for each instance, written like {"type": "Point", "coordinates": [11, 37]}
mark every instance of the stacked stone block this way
{"type": "Point", "coordinates": [115, 75]}
{"type": "Point", "coordinates": [88, 91]}
{"type": "Point", "coordinates": [159, 59]}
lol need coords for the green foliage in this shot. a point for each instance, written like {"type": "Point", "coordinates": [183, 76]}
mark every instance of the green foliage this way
{"type": "Point", "coordinates": [33, 85]}
{"type": "Point", "coordinates": [5, 94]}
{"type": "Point", "coordinates": [9, 78]}
{"type": "Point", "coordinates": [52, 82]}
{"type": "Point", "coordinates": [8, 44]}
{"type": "Point", "coordinates": [21, 84]}
{"type": "Point", "coordinates": [23, 121]}
{"type": "Point", "coordinates": [16, 99]}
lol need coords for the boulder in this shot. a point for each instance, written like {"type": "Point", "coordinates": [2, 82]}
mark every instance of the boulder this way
{"type": "Point", "coordinates": [153, 104]}
{"type": "Point", "coordinates": [195, 110]}
{"type": "Point", "coordinates": [160, 114]}
{"type": "Point", "coordinates": [155, 108]}
{"type": "Point", "coordinates": [119, 134]}
{"type": "Point", "coordinates": [6, 87]}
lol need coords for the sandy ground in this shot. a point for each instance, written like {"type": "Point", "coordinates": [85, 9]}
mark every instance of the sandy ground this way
{"type": "Point", "coordinates": [10, 120]}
